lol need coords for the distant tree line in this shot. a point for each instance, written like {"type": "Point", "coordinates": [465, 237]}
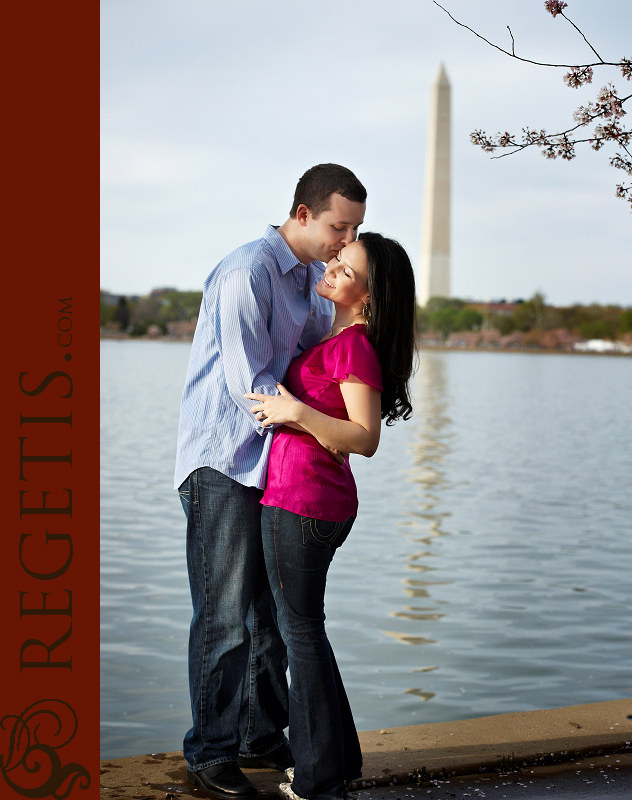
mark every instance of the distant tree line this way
{"type": "Point", "coordinates": [441, 315]}
{"type": "Point", "coordinates": [135, 315]}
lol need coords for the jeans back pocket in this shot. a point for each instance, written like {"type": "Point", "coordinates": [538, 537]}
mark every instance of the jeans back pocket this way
{"type": "Point", "coordinates": [320, 532]}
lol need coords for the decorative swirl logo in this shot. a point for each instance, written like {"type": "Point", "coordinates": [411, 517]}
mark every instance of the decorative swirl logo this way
{"type": "Point", "coordinates": [34, 738]}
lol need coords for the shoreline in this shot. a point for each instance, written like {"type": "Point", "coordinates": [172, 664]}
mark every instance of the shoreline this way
{"type": "Point", "coordinates": [420, 346]}
{"type": "Point", "coordinates": [425, 755]}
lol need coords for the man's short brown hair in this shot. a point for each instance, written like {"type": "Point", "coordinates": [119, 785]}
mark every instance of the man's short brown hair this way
{"type": "Point", "coordinates": [318, 184]}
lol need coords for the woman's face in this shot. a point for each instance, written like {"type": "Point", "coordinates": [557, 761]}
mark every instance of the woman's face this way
{"type": "Point", "coordinates": [345, 281]}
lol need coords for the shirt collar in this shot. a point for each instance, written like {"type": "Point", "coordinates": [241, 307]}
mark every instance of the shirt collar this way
{"type": "Point", "coordinates": [284, 256]}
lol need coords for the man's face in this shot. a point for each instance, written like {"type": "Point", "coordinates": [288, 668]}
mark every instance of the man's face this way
{"type": "Point", "coordinates": [328, 233]}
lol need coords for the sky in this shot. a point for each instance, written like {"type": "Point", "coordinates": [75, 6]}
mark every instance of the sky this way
{"type": "Point", "coordinates": [211, 112]}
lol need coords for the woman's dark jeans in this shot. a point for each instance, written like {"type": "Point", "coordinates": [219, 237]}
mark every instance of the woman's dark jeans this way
{"type": "Point", "coordinates": [323, 738]}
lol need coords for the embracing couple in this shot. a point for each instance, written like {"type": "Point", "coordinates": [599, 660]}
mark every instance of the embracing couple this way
{"type": "Point", "coordinates": [304, 343]}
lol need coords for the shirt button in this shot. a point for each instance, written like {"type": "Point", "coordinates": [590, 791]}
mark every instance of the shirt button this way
{"type": "Point", "coordinates": [300, 288]}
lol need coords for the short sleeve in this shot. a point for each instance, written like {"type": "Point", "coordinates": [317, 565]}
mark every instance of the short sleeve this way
{"type": "Point", "coordinates": [355, 355]}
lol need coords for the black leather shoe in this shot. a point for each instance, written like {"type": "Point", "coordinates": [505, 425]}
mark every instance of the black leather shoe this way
{"type": "Point", "coordinates": [225, 781]}
{"type": "Point", "coordinates": [280, 759]}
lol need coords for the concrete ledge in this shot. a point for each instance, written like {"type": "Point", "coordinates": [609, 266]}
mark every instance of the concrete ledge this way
{"type": "Point", "coordinates": [418, 752]}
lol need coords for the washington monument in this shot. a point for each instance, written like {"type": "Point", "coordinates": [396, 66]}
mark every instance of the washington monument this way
{"type": "Point", "coordinates": [434, 267]}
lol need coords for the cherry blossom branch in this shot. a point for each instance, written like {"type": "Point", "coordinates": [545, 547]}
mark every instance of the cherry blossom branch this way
{"type": "Point", "coordinates": [584, 116]}
{"type": "Point", "coordinates": [555, 7]}
{"type": "Point", "coordinates": [544, 139]}
{"type": "Point", "coordinates": [608, 107]}
{"type": "Point", "coordinates": [512, 53]}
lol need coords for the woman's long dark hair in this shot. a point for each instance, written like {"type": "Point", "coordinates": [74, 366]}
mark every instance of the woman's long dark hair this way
{"type": "Point", "coordinates": [391, 328]}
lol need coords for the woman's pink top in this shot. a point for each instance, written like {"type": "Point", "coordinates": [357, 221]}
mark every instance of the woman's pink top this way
{"type": "Point", "coordinates": [303, 477]}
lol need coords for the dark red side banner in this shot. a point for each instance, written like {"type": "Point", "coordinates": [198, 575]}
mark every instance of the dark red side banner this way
{"type": "Point", "coordinates": [49, 731]}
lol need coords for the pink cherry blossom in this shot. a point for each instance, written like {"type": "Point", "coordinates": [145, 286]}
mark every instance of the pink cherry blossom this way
{"type": "Point", "coordinates": [578, 76]}
{"type": "Point", "coordinates": [555, 7]}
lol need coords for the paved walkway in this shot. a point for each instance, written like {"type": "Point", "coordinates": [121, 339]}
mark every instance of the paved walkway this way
{"type": "Point", "coordinates": [418, 761]}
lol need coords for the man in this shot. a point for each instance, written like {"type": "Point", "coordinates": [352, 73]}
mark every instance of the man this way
{"type": "Point", "coordinates": [259, 310]}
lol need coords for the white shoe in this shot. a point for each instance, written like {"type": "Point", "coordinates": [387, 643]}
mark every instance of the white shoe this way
{"type": "Point", "coordinates": [285, 791]}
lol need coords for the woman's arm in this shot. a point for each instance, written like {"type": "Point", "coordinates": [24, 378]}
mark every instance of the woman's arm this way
{"type": "Point", "coordinates": [359, 434]}
{"type": "Point", "coordinates": [339, 455]}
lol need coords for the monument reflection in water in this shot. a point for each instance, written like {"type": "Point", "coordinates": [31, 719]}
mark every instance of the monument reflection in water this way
{"type": "Point", "coordinates": [429, 448]}
{"type": "Point", "coordinates": [418, 518]}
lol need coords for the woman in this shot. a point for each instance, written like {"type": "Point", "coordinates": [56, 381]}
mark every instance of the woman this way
{"type": "Point", "coordinates": [356, 376]}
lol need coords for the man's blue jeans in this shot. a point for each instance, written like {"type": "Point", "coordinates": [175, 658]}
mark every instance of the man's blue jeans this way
{"type": "Point", "coordinates": [237, 660]}
{"type": "Point", "coordinates": [323, 738]}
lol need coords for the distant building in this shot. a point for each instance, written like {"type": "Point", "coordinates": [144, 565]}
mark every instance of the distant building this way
{"type": "Point", "coordinates": [181, 328]}
{"type": "Point", "coordinates": [112, 299]}
{"type": "Point", "coordinates": [500, 307]}
{"type": "Point", "coordinates": [109, 299]}
{"type": "Point", "coordinates": [158, 293]}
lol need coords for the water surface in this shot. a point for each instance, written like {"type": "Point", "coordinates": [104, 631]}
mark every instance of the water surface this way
{"type": "Point", "coordinates": [488, 570]}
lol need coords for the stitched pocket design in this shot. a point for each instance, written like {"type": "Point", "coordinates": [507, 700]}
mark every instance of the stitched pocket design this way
{"type": "Point", "coordinates": [319, 532]}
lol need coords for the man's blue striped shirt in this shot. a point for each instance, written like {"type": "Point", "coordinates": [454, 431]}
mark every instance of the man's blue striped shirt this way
{"type": "Point", "coordinates": [254, 319]}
